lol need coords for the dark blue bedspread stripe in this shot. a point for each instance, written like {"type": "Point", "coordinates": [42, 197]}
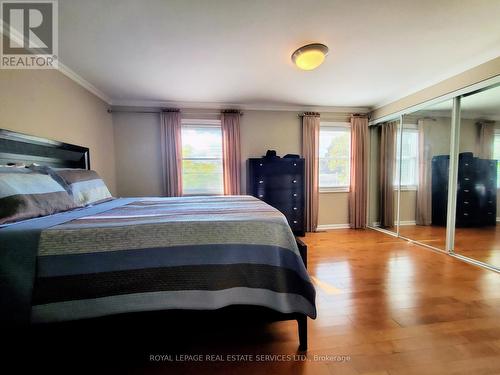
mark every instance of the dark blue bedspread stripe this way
{"type": "Point", "coordinates": [74, 264]}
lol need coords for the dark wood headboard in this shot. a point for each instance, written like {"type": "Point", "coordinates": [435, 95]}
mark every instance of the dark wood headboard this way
{"type": "Point", "coordinates": [22, 148]}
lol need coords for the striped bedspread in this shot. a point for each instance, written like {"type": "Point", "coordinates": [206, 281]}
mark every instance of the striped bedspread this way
{"type": "Point", "coordinates": [170, 253]}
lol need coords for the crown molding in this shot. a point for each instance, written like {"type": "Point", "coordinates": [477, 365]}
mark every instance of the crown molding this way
{"type": "Point", "coordinates": [68, 72]}
{"type": "Point", "coordinates": [246, 107]}
{"type": "Point", "coordinates": [63, 68]}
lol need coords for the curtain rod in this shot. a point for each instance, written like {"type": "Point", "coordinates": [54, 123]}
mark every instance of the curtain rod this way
{"type": "Point", "coordinates": [201, 112]}
{"type": "Point", "coordinates": [333, 114]}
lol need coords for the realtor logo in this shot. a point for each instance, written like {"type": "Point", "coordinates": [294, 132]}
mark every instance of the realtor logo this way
{"type": "Point", "coordinates": [29, 39]}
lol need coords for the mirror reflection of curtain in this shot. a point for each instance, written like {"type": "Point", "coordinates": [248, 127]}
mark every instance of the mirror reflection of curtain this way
{"type": "Point", "coordinates": [388, 133]}
{"type": "Point", "coordinates": [424, 187]}
{"type": "Point", "coordinates": [484, 140]}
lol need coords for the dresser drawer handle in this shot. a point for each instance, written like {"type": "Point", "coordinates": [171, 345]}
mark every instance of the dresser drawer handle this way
{"type": "Point", "coordinates": [466, 202]}
{"type": "Point", "coordinates": [466, 214]}
{"type": "Point", "coordinates": [466, 191]}
{"type": "Point", "coordinates": [261, 196]}
{"type": "Point", "coordinates": [294, 164]}
{"type": "Point", "coordinates": [295, 221]}
{"type": "Point", "coordinates": [294, 181]}
{"type": "Point", "coordinates": [466, 178]}
{"type": "Point", "coordinates": [261, 182]}
{"type": "Point", "coordinates": [295, 208]}
{"type": "Point", "coordinates": [294, 194]}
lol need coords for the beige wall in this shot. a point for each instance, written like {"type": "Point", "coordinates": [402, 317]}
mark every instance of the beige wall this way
{"type": "Point", "coordinates": [47, 104]}
{"type": "Point", "coordinates": [138, 157]}
{"type": "Point", "coordinates": [479, 73]}
{"type": "Point", "coordinates": [407, 207]}
{"type": "Point", "coordinates": [138, 160]}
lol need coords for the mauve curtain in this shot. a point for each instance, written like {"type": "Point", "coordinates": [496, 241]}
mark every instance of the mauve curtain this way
{"type": "Point", "coordinates": [424, 188]}
{"type": "Point", "coordinates": [171, 153]}
{"type": "Point", "coordinates": [388, 133]}
{"type": "Point", "coordinates": [359, 172]}
{"type": "Point", "coordinates": [485, 137]}
{"type": "Point", "coordinates": [231, 152]}
{"type": "Point", "coordinates": [310, 152]}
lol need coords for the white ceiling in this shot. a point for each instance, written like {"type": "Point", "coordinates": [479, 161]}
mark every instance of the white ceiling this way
{"type": "Point", "coordinates": [238, 51]}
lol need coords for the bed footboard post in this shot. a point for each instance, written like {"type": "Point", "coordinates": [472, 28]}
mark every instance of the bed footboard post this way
{"type": "Point", "coordinates": [303, 250]}
{"type": "Point", "coordinates": [302, 323]}
{"type": "Point", "coordinates": [302, 320]}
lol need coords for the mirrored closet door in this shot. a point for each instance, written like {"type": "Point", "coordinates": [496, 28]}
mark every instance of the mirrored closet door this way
{"type": "Point", "coordinates": [425, 154]}
{"type": "Point", "coordinates": [477, 234]}
{"type": "Point", "coordinates": [417, 168]}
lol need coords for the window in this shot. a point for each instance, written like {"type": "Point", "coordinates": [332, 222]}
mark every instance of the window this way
{"type": "Point", "coordinates": [496, 154]}
{"type": "Point", "coordinates": [201, 157]}
{"type": "Point", "coordinates": [408, 157]}
{"type": "Point", "coordinates": [334, 156]}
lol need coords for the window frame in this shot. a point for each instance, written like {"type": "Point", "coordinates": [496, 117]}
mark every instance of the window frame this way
{"type": "Point", "coordinates": [343, 126]}
{"type": "Point", "coordinates": [414, 187]}
{"type": "Point", "coordinates": [201, 123]}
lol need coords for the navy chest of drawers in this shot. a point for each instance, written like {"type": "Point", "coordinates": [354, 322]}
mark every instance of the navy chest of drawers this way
{"type": "Point", "coordinates": [280, 183]}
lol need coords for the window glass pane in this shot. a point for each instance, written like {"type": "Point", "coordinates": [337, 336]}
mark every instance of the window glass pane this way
{"type": "Point", "coordinates": [202, 160]}
{"type": "Point", "coordinates": [201, 142]}
{"type": "Point", "coordinates": [334, 156]}
{"type": "Point", "coordinates": [202, 176]}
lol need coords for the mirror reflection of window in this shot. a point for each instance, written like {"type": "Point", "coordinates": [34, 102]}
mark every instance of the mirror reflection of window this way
{"type": "Point", "coordinates": [407, 153]}
{"type": "Point", "coordinates": [496, 153]}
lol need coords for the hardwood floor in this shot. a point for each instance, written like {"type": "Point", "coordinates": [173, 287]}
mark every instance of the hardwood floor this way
{"type": "Point", "coordinates": [482, 244]}
{"type": "Point", "coordinates": [385, 306]}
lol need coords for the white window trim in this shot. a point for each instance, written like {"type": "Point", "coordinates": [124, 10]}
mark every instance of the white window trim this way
{"type": "Point", "coordinates": [339, 189]}
{"type": "Point", "coordinates": [336, 189]}
{"type": "Point", "coordinates": [333, 124]}
{"type": "Point", "coordinates": [200, 122]}
{"type": "Point", "coordinates": [407, 187]}
{"type": "Point", "coordinates": [410, 126]}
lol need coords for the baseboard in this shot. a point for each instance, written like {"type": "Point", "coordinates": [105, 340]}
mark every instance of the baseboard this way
{"type": "Point", "coordinates": [407, 222]}
{"type": "Point", "coordinates": [401, 223]}
{"type": "Point", "coordinates": [333, 226]}
{"type": "Point", "coordinates": [498, 219]}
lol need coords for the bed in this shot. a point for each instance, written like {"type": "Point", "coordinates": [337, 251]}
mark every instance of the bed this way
{"type": "Point", "coordinates": [129, 256]}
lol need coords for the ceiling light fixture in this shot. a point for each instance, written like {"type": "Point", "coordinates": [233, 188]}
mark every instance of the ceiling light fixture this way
{"type": "Point", "coordinates": [310, 56]}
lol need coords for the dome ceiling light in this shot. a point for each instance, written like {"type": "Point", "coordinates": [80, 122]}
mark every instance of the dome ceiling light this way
{"type": "Point", "coordinates": [310, 56]}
